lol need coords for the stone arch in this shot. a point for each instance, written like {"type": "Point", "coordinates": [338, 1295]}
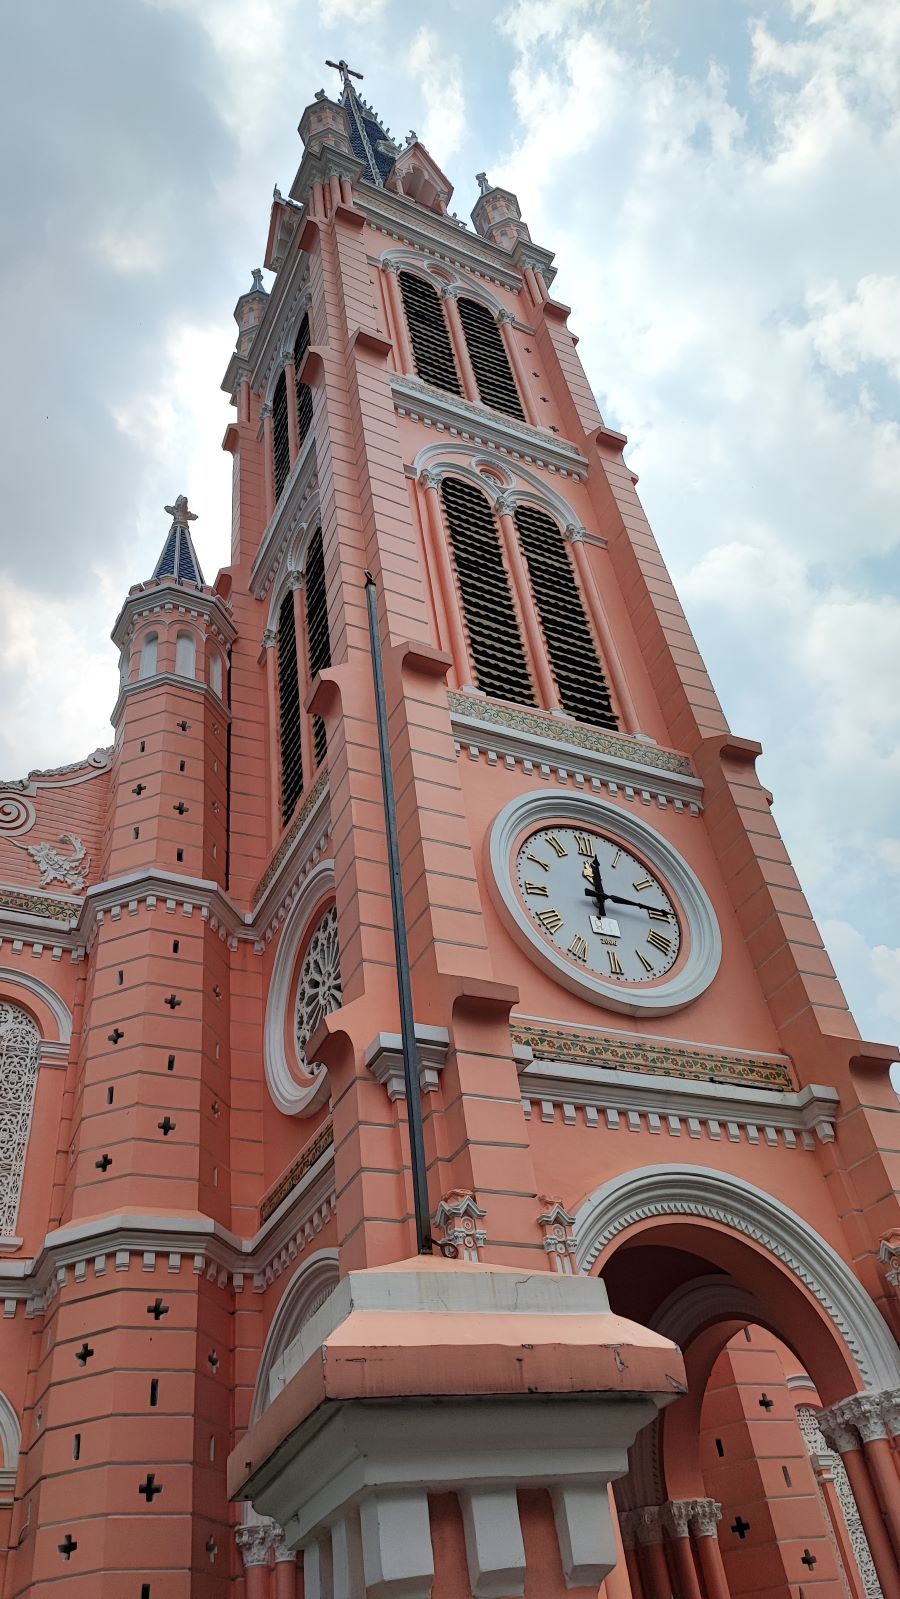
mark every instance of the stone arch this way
{"type": "Point", "coordinates": [293, 1096]}
{"type": "Point", "coordinates": [523, 486]}
{"type": "Point", "coordinates": [441, 275]}
{"type": "Point", "coordinates": [307, 1290]}
{"type": "Point", "coordinates": [843, 1332]}
{"type": "Point", "coordinates": [10, 1446]}
{"type": "Point", "coordinates": [51, 1013]}
{"type": "Point", "coordinates": [293, 560]}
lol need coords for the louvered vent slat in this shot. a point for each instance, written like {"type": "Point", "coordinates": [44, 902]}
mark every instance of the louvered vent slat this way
{"type": "Point", "coordinates": [493, 374]}
{"type": "Point", "coordinates": [318, 641]}
{"type": "Point", "coordinates": [492, 625]}
{"type": "Point", "coordinates": [281, 448]}
{"type": "Point", "coordinates": [432, 350]}
{"type": "Point", "coordinates": [583, 690]}
{"type": "Point", "coordinates": [289, 709]}
{"type": "Point", "coordinates": [304, 392]}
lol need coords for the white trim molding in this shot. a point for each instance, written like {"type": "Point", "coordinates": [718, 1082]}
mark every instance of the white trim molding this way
{"type": "Point", "coordinates": [539, 807]}
{"type": "Point", "coordinates": [12, 976]}
{"type": "Point", "coordinates": [294, 1094]}
{"type": "Point", "coordinates": [11, 1444]}
{"type": "Point", "coordinates": [306, 1292]}
{"type": "Point", "coordinates": [473, 424]}
{"type": "Point", "coordinates": [730, 1201]}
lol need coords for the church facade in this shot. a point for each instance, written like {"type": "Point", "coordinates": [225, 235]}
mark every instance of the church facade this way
{"type": "Point", "coordinates": [648, 1343]}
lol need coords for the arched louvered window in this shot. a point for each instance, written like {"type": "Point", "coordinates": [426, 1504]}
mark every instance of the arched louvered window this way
{"type": "Point", "coordinates": [318, 640]}
{"type": "Point", "coordinates": [20, 1052]}
{"type": "Point", "coordinates": [289, 712]}
{"type": "Point", "coordinates": [185, 654]}
{"type": "Point", "coordinates": [490, 362]}
{"type": "Point", "coordinates": [495, 642]}
{"type": "Point", "coordinates": [304, 392]}
{"type": "Point", "coordinates": [281, 447]}
{"type": "Point", "coordinates": [432, 350]}
{"type": "Point", "coordinates": [583, 690]}
{"type": "Point", "coordinates": [149, 654]}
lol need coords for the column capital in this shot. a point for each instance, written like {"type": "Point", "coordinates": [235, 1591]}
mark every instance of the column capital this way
{"type": "Point", "coordinates": [287, 355]}
{"type": "Point", "coordinates": [704, 1516]}
{"type": "Point", "coordinates": [837, 1429]}
{"type": "Point", "coordinates": [866, 1412]}
{"type": "Point", "coordinates": [269, 638]}
{"type": "Point", "coordinates": [280, 1548]}
{"type": "Point", "coordinates": [255, 1542]}
{"type": "Point", "coordinates": [648, 1524]}
{"type": "Point", "coordinates": [505, 317]}
{"type": "Point", "coordinates": [265, 411]}
{"type": "Point", "coordinates": [392, 266]}
{"type": "Point", "coordinates": [505, 504]}
{"type": "Point", "coordinates": [676, 1517]}
{"type": "Point", "coordinates": [430, 479]}
{"type": "Point", "coordinates": [296, 580]}
{"type": "Point", "coordinates": [575, 533]}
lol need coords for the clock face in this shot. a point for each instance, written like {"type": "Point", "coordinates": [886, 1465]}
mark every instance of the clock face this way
{"type": "Point", "coordinates": [598, 905]}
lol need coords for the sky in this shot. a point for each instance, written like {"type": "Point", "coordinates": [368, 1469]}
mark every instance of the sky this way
{"type": "Point", "coordinates": [719, 179]}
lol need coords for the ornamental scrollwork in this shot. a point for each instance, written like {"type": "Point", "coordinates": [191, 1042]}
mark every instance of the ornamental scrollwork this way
{"type": "Point", "coordinates": [319, 985]}
{"type": "Point", "coordinates": [56, 867]}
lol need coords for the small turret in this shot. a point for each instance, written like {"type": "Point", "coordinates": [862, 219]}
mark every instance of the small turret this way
{"type": "Point", "coordinates": [496, 215]}
{"type": "Point", "coordinates": [249, 312]}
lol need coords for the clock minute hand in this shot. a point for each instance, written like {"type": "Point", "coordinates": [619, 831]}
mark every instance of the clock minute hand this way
{"type": "Point", "coordinates": [616, 899]}
{"type": "Point", "coordinates": [597, 892]}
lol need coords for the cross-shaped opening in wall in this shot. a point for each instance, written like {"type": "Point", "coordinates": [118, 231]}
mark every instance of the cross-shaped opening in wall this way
{"type": "Point", "coordinates": [808, 1559]}
{"type": "Point", "coordinates": [213, 1360]}
{"type": "Point", "coordinates": [150, 1488]}
{"type": "Point", "coordinates": [67, 1547]}
{"type": "Point", "coordinates": [766, 1403]}
{"type": "Point", "coordinates": [157, 1309]}
{"type": "Point", "coordinates": [166, 1126]}
{"type": "Point", "coordinates": [83, 1355]}
{"type": "Point", "coordinates": [740, 1527]}
{"type": "Point", "coordinates": [103, 1163]}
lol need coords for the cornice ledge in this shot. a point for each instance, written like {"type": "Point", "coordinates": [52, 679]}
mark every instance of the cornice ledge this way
{"type": "Point", "coordinates": [214, 1250]}
{"type": "Point", "coordinates": [194, 685]}
{"type": "Point", "coordinates": [402, 218]}
{"type": "Point", "coordinates": [172, 889]}
{"type": "Point", "coordinates": [465, 419]}
{"type": "Point", "coordinates": [285, 519]}
{"type": "Point", "coordinates": [574, 753]}
{"type": "Point", "coordinates": [186, 599]}
{"type": "Point", "coordinates": [684, 1105]}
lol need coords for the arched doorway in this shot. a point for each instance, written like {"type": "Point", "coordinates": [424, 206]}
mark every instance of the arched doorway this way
{"type": "Point", "coordinates": [746, 1288]}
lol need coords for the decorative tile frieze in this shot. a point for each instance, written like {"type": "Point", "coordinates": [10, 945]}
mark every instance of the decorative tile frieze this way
{"type": "Point", "coordinates": [443, 237]}
{"type": "Point", "coordinates": [491, 430]}
{"type": "Point", "coordinates": [18, 902]}
{"type": "Point", "coordinates": [553, 747]}
{"type": "Point", "coordinates": [312, 1151]}
{"type": "Point", "coordinates": [644, 1054]}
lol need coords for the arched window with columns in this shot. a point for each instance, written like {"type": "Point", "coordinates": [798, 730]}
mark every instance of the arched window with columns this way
{"type": "Point", "coordinates": [574, 657]}
{"type": "Point", "coordinates": [281, 448]}
{"type": "Point", "coordinates": [431, 345]}
{"type": "Point", "coordinates": [304, 392]}
{"type": "Point", "coordinates": [492, 624]}
{"type": "Point", "coordinates": [490, 362]}
{"type": "Point", "coordinates": [289, 711]}
{"type": "Point", "coordinates": [20, 1045]}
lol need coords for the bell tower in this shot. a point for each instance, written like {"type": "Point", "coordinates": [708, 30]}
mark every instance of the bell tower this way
{"type": "Point", "coordinates": [651, 1351]}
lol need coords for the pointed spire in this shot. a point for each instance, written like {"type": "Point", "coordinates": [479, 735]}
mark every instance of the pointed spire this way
{"type": "Point", "coordinates": [178, 559]}
{"type": "Point", "coordinates": [371, 141]}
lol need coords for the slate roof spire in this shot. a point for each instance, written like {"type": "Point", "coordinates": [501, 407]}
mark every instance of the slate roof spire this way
{"type": "Point", "coordinates": [371, 141]}
{"type": "Point", "coordinates": [178, 559]}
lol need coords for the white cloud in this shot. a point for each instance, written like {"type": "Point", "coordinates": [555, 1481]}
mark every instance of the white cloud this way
{"type": "Point", "coordinates": [357, 10]}
{"type": "Point", "coordinates": [441, 84]}
{"type": "Point", "coordinates": [849, 329]}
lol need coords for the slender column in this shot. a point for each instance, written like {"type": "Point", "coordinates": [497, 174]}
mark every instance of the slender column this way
{"type": "Point", "coordinates": [523, 382]}
{"type": "Point", "coordinates": [704, 1516]}
{"type": "Point", "coordinates": [675, 1515]}
{"type": "Point", "coordinates": [840, 1435]}
{"type": "Point", "coordinates": [402, 347]}
{"type": "Point", "coordinates": [268, 460]}
{"type": "Point", "coordinates": [285, 1568]}
{"type": "Point", "coordinates": [597, 612]}
{"type": "Point", "coordinates": [460, 347]}
{"type": "Point", "coordinates": [243, 405]}
{"type": "Point", "coordinates": [824, 1476]}
{"type": "Point", "coordinates": [648, 1528]}
{"type": "Point", "coordinates": [307, 753]}
{"type": "Point", "coordinates": [535, 285]}
{"type": "Point", "coordinates": [270, 641]}
{"type": "Point", "coordinates": [618, 1584]}
{"type": "Point", "coordinates": [254, 1543]}
{"type": "Point", "coordinates": [459, 648]}
{"type": "Point", "coordinates": [334, 184]}
{"type": "Point", "coordinates": [866, 1412]}
{"type": "Point", "coordinates": [290, 379]}
{"type": "Point", "coordinates": [547, 690]}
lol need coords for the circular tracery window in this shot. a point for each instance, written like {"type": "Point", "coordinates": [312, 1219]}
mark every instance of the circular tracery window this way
{"type": "Point", "coordinates": [319, 985]}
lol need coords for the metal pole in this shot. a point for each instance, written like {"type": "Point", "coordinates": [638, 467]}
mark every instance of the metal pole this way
{"type": "Point", "coordinates": [424, 1242]}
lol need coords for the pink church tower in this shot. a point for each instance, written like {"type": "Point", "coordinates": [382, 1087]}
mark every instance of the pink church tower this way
{"type": "Point", "coordinates": [436, 1156]}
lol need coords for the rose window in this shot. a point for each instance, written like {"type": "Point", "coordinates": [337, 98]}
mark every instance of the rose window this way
{"type": "Point", "coordinates": [319, 985]}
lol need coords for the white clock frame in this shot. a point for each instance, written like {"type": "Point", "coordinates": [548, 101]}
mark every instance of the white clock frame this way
{"type": "Point", "coordinates": [704, 941]}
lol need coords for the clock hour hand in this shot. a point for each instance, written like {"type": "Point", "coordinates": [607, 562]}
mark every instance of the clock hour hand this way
{"type": "Point", "coordinates": [597, 892]}
{"type": "Point", "coordinates": [616, 899]}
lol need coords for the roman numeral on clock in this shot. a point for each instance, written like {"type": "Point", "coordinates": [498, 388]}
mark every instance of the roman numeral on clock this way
{"type": "Point", "coordinates": [647, 965]}
{"type": "Point", "coordinates": [616, 968]}
{"type": "Point", "coordinates": [659, 941]}
{"type": "Point", "coordinates": [537, 888]}
{"type": "Point", "coordinates": [550, 919]}
{"type": "Point", "coordinates": [578, 948]}
{"type": "Point", "coordinates": [656, 914]}
{"type": "Point", "coordinates": [555, 844]}
{"type": "Point", "coordinates": [585, 845]}
{"type": "Point", "coordinates": [642, 882]}
{"type": "Point", "coordinates": [536, 861]}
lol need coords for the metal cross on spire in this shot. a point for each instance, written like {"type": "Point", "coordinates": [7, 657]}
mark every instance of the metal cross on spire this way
{"type": "Point", "coordinates": [345, 71]}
